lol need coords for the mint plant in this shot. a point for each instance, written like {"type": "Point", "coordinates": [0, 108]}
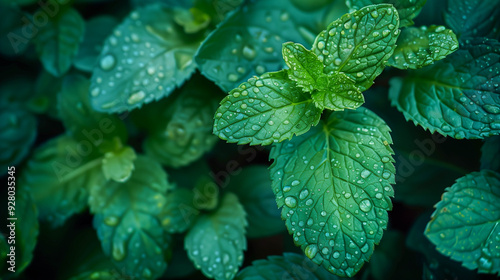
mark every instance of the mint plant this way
{"type": "Point", "coordinates": [112, 114]}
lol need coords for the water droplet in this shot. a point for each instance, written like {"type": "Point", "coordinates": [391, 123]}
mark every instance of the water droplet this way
{"type": "Point", "coordinates": [259, 69]}
{"type": "Point", "coordinates": [365, 173]}
{"type": "Point", "coordinates": [311, 251]}
{"type": "Point", "coordinates": [232, 77]}
{"type": "Point", "coordinates": [111, 221]}
{"type": "Point", "coordinates": [493, 109]}
{"type": "Point", "coordinates": [385, 159]}
{"type": "Point", "coordinates": [309, 202]}
{"type": "Point", "coordinates": [249, 53]}
{"type": "Point", "coordinates": [386, 175]}
{"type": "Point", "coordinates": [295, 182]}
{"type": "Point", "coordinates": [276, 135]}
{"type": "Point", "coordinates": [379, 195]}
{"type": "Point", "coordinates": [146, 273]}
{"type": "Point", "coordinates": [365, 205]}
{"type": "Point", "coordinates": [336, 255]}
{"type": "Point", "coordinates": [286, 188]}
{"type": "Point", "coordinates": [284, 16]}
{"type": "Point", "coordinates": [107, 62]}
{"type": "Point", "coordinates": [291, 201]}
{"type": "Point", "coordinates": [136, 97]}
{"type": "Point", "coordinates": [303, 194]}
{"type": "Point", "coordinates": [365, 248]}
{"type": "Point", "coordinates": [325, 251]}
{"type": "Point", "coordinates": [374, 14]}
{"type": "Point", "coordinates": [323, 213]}
{"type": "Point", "coordinates": [119, 251]}
{"type": "Point", "coordinates": [440, 29]}
{"type": "Point", "coordinates": [337, 61]}
{"type": "Point", "coordinates": [321, 45]}
{"type": "Point", "coordinates": [95, 91]}
{"type": "Point", "coordinates": [347, 195]}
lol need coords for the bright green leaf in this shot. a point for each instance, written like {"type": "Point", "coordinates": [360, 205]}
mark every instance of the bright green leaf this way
{"type": "Point", "coordinates": [465, 223]}
{"type": "Point", "coordinates": [119, 165]}
{"type": "Point", "coordinates": [253, 188]}
{"type": "Point", "coordinates": [57, 42]}
{"type": "Point", "coordinates": [407, 9]}
{"type": "Point", "coordinates": [183, 125]}
{"type": "Point", "coordinates": [126, 220]}
{"type": "Point", "coordinates": [58, 176]}
{"type": "Point", "coordinates": [248, 42]}
{"type": "Point", "coordinates": [179, 211]}
{"type": "Point", "coordinates": [264, 110]}
{"type": "Point", "coordinates": [97, 29]}
{"type": "Point", "coordinates": [140, 63]}
{"type": "Point", "coordinates": [337, 92]}
{"type": "Point", "coordinates": [457, 96]}
{"type": "Point", "coordinates": [288, 266]}
{"type": "Point", "coordinates": [474, 18]}
{"type": "Point", "coordinates": [334, 184]}
{"type": "Point", "coordinates": [360, 43]}
{"type": "Point", "coordinates": [81, 121]}
{"type": "Point", "coordinates": [215, 243]}
{"type": "Point", "coordinates": [304, 66]}
{"type": "Point", "coordinates": [193, 20]}
{"type": "Point", "coordinates": [490, 153]}
{"type": "Point", "coordinates": [19, 129]}
{"type": "Point", "coordinates": [419, 47]}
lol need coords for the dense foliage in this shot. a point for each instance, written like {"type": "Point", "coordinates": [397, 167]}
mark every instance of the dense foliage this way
{"type": "Point", "coordinates": [332, 114]}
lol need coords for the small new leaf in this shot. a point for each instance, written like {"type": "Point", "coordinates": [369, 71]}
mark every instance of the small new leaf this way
{"type": "Point", "coordinates": [144, 59]}
{"type": "Point", "coordinates": [126, 220]}
{"type": "Point", "coordinates": [57, 42]}
{"type": "Point", "coordinates": [304, 66]}
{"type": "Point", "coordinates": [337, 92]}
{"type": "Point", "coordinates": [222, 231]}
{"type": "Point", "coordinates": [419, 47]}
{"type": "Point", "coordinates": [288, 266]}
{"type": "Point", "coordinates": [334, 184]}
{"type": "Point", "coordinates": [359, 44]}
{"type": "Point", "coordinates": [118, 165]}
{"type": "Point", "coordinates": [264, 110]}
{"type": "Point", "coordinates": [407, 9]}
{"type": "Point", "coordinates": [457, 96]}
{"type": "Point", "coordinates": [465, 225]}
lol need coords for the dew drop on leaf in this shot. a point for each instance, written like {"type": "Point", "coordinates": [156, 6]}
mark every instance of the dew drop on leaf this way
{"type": "Point", "coordinates": [291, 201]}
{"type": "Point", "coordinates": [365, 205]}
{"type": "Point", "coordinates": [107, 62]}
{"type": "Point", "coordinates": [311, 251]}
{"type": "Point", "coordinates": [119, 251]}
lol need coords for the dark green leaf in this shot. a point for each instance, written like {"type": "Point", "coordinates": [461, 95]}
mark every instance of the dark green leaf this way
{"type": "Point", "coordinates": [184, 126]}
{"type": "Point", "coordinates": [359, 44]}
{"type": "Point", "coordinates": [81, 121]}
{"type": "Point", "coordinates": [334, 184]}
{"type": "Point", "coordinates": [97, 29]}
{"type": "Point", "coordinates": [98, 275]}
{"type": "Point", "coordinates": [337, 92]}
{"type": "Point", "coordinates": [419, 47]}
{"type": "Point", "coordinates": [57, 42]}
{"type": "Point", "coordinates": [248, 42]}
{"type": "Point", "coordinates": [12, 39]}
{"type": "Point", "coordinates": [407, 9]}
{"type": "Point", "coordinates": [215, 243]}
{"type": "Point", "coordinates": [490, 154]}
{"type": "Point", "coordinates": [474, 18]}
{"type": "Point", "coordinates": [18, 135]}
{"type": "Point", "coordinates": [4, 250]}
{"type": "Point", "coordinates": [145, 59]}
{"type": "Point", "coordinates": [457, 96]}
{"type": "Point", "coordinates": [58, 176]}
{"type": "Point", "coordinates": [288, 266]}
{"type": "Point", "coordinates": [264, 110]}
{"type": "Point", "coordinates": [44, 100]}
{"type": "Point", "coordinates": [253, 188]}
{"type": "Point", "coordinates": [118, 165]}
{"type": "Point", "coordinates": [127, 221]}
{"type": "Point", "coordinates": [304, 66]}
{"type": "Point", "coordinates": [465, 223]}
{"type": "Point", "coordinates": [206, 194]}
{"type": "Point", "coordinates": [179, 211]}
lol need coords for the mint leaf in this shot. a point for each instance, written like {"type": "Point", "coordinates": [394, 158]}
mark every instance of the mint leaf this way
{"type": "Point", "coordinates": [248, 42]}
{"type": "Point", "coordinates": [183, 131]}
{"type": "Point", "coordinates": [97, 29]}
{"type": "Point", "coordinates": [288, 266]}
{"type": "Point", "coordinates": [253, 188]}
{"type": "Point", "coordinates": [419, 47]}
{"type": "Point", "coordinates": [19, 129]}
{"type": "Point", "coordinates": [337, 92]}
{"type": "Point", "coordinates": [145, 59]}
{"type": "Point", "coordinates": [57, 42]}
{"type": "Point", "coordinates": [82, 122]}
{"type": "Point", "coordinates": [304, 66]}
{"type": "Point", "coordinates": [97, 275]}
{"type": "Point", "coordinates": [490, 153]}
{"type": "Point", "coordinates": [264, 110]}
{"type": "Point", "coordinates": [474, 18]}
{"type": "Point", "coordinates": [126, 220]}
{"type": "Point", "coordinates": [179, 211]}
{"type": "Point", "coordinates": [407, 9]}
{"type": "Point", "coordinates": [58, 176]}
{"type": "Point", "coordinates": [463, 105]}
{"type": "Point", "coordinates": [215, 243]}
{"type": "Point", "coordinates": [334, 184]}
{"type": "Point", "coordinates": [465, 223]}
{"type": "Point", "coordinates": [118, 165]}
{"type": "Point", "coordinates": [359, 43]}
{"type": "Point", "coordinates": [26, 231]}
